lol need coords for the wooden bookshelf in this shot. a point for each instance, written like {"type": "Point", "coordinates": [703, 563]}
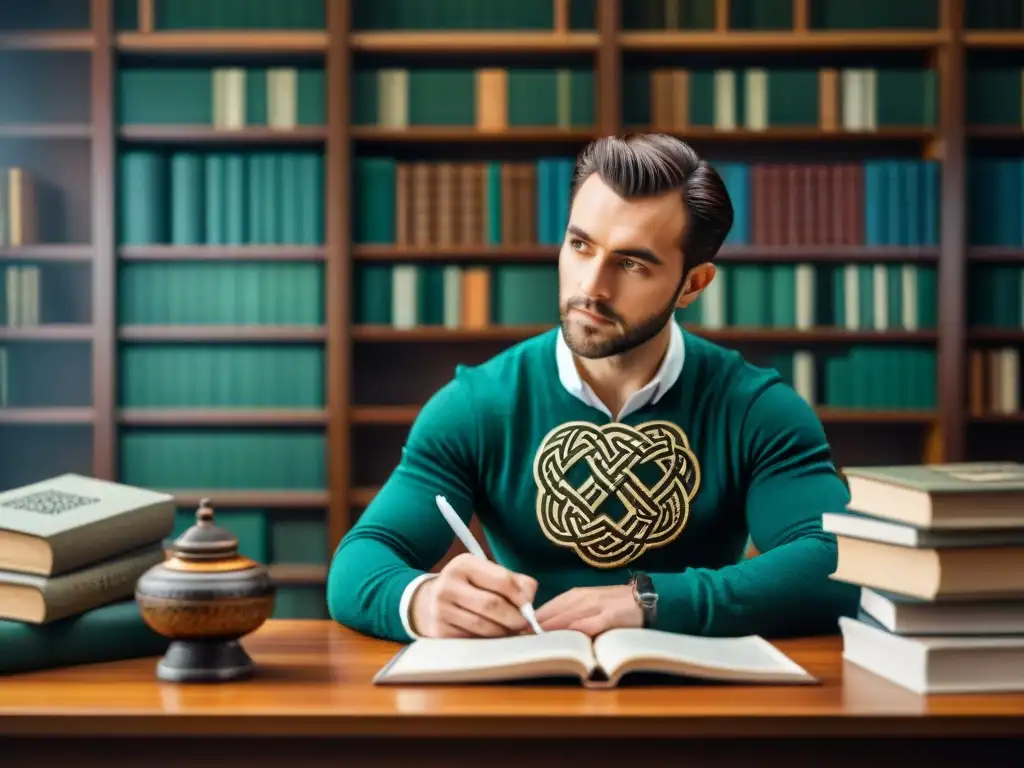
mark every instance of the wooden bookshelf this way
{"type": "Point", "coordinates": [473, 42]}
{"type": "Point", "coordinates": [222, 42]}
{"type": "Point", "coordinates": [365, 413]}
{"type": "Point", "coordinates": [805, 41]}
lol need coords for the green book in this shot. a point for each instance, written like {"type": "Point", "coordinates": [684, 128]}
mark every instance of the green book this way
{"type": "Point", "coordinates": [109, 633]}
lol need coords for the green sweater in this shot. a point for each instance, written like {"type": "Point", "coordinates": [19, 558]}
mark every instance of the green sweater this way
{"type": "Point", "coordinates": [572, 498]}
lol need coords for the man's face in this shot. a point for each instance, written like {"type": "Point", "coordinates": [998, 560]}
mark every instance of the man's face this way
{"type": "Point", "coordinates": [620, 269]}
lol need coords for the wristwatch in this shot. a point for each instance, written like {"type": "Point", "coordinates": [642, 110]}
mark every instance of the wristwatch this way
{"type": "Point", "coordinates": [645, 596]}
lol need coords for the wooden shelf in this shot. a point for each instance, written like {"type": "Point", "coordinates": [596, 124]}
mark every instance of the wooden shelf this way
{"type": "Point", "coordinates": [548, 254]}
{"type": "Point", "coordinates": [386, 333]}
{"type": "Point", "coordinates": [825, 334]}
{"type": "Point", "coordinates": [384, 414]}
{"type": "Point", "coordinates": [1014, 418]}
{"type": "Point", "coordinates": [473, 41]}
{"type": "Point", "coordinates": [51, 415]}
{"type": "Point", "coordinates": [995, 335]}
{"type": "Point", "coordinates": [207, 134]}
{"type": "Point", "coordinates": [820, 335]}
{"type": "Point", "coordinates": [1008, 38]}
{"type": "Point", "coordinates": [463, 134]}
{"type": "Point", "coordinates": [829, 415]}
{"type": "Point", "coordinates": [995, 132]}
{"type": "Point", "coordinates": [253, 41]}
{"type": "Point", "coordinates": [750, 42]}
{"type": "Point", "coordinates": [797, 133]}
{"type": "Point", "coordinates": [298, 574]}
{"type": "Point", "coordinates": [47, 332]}
{"type": "Point", "coordinates": [223, 417]}
{"type": "Point", "coordinates": [995, 254]}
{"type": "Point", "coordinates": [69, 40]}
{"type": "Point", "coordinates": [45, 131]}
{"type": "Point", "coordinates": [222, 333]}
{"type": "Point", "coordinates": [828, 253]}
{"type": "Point", "coordinates": [251, 498]}
{"type": "Point", "coordinates": [420, 133]}
{"type": "Point", "coordinates": [71, 252]}
{"type": "Point", "coordinates": [398, 415]}
{"type": "Point", "coordinates": [221, 253]}
{"type": "Point", "coordinates": [457, 253]}
{"type": "Point", "coordinates": [405, 415]}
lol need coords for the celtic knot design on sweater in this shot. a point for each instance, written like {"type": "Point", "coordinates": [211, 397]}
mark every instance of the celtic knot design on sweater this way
{"type": "Point", "coordinates": [569, 516]}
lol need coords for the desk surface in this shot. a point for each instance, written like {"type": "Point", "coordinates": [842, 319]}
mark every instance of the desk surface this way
{"type": "Point", "coordinates": [314, 679]}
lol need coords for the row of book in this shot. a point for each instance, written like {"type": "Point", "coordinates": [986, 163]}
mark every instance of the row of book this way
{"type": "Point", "coordinates": [20, 300]}
{"type": "Point", "coordinates": [221, 376]}
{"type": "Point", "coordinates": [445, 204]}
{"type": "Point", "coordinates": [229, 459]}
{"type": "Point", "coordinates": [759, 98]}
{"type": "Point", "coordinates": [292, 376]}
{"type": "Point", "coordinates": [936, 551]}
{"type": "Point", "coordinates": [539, 15]}
{"type": "Point", "coordinates": [55, 374]}
{"type": "Point", "coordinates": [488, 98]}
{"type": "Point", "coordinates": [220, 197]}
{"type": "Point", "coordinates": [855, 296]}
{"type": "Point", "coordinates": [994, 201]}
{"type": "Point", "coordinates": [778, 15]}
{"type": "Point", "coordinates": [994, 383]}
{"type": "Point", "coordinates": [995, 295]}
{"type": "Point", "coordinates": [993, 96]}
{"type": "Point", "coordinates": [723, 98]}
{"type": "Point", "coordinates": [224, 97]}
{"type": "Point", "coordinates": [275, 15]}
{"type": "Point", "coordinates": [860, 376]}
{"type": "Point", "coordinates": [471, 15]}
{"type": "Point", "coordinates": [221, 293]}
{"type": "Point", "coordinates": [885, 202]}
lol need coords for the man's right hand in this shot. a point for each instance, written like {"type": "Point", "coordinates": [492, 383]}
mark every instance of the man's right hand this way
{"type": "Point", "coordinates": [471, 597]}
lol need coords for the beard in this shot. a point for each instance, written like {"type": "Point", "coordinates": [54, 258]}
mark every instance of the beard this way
{"type": "Point", "coordinates": [606, 340]}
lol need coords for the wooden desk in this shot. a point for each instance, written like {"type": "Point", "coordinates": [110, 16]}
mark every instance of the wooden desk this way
{"type": "Point", "coordinates": [313, 704]}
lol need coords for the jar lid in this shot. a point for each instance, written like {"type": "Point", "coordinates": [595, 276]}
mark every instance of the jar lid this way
{"type": "Point", "coordinates": [205, 540]}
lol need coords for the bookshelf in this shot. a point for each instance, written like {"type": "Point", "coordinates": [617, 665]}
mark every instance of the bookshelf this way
{"type": "Point", "coordinates": [249, 353]}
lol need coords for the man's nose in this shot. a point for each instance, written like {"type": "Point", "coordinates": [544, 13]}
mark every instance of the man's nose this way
{"type": "Point", "coordinates": [596, 280]}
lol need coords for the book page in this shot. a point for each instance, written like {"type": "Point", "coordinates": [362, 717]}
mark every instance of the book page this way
{"type": "Point", "coordinates": [742, 659]}
{"type": "Point", "coordinates": [450, 660]}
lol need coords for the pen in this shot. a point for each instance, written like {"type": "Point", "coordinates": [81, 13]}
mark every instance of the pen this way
{"type": "Point", "coordinates": [471, 544]}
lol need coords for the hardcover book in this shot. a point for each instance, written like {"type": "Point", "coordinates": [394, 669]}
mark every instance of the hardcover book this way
{"type": "Point", "coordinates": [962, 496]}
{"type": "Point", "coordinates": [71, 521]}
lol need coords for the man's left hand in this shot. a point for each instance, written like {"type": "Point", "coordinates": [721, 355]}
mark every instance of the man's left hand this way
{"type": "Point", "coordinates": [592, 610]}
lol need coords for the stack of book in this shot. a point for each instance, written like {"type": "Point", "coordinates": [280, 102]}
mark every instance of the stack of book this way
{"type": "Point", "coordinates": [71, 551]}
{"type": "Point", "coordinates": [938, 551]}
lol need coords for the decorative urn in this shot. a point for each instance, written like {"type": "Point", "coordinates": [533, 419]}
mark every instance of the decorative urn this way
{"type": "Point", "coordinates": [204, 598]}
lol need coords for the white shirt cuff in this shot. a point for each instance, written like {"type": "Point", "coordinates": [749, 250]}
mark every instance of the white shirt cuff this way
{"type": "Point", "coordinates": [405, 603]}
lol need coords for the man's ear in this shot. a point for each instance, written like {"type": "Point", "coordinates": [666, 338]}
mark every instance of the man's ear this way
{"type": "Point", "coordinates": [696, 281]}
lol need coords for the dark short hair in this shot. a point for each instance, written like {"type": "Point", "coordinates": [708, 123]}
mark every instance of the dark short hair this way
{"type": "Point", "coordinates": [649, 164]}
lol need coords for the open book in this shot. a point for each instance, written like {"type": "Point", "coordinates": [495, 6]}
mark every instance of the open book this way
{"type": "Point", "coordinates": [598, 663]}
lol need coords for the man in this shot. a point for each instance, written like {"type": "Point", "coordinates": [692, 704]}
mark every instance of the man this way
{"type": "Point", "coordinates": [617, 463]}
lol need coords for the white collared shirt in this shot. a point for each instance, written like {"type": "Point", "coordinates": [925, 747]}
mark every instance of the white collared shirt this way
{"type": "Point", "coordinates": [664, 378]}
{"type": "Point", "coordinates": [666, 375]}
